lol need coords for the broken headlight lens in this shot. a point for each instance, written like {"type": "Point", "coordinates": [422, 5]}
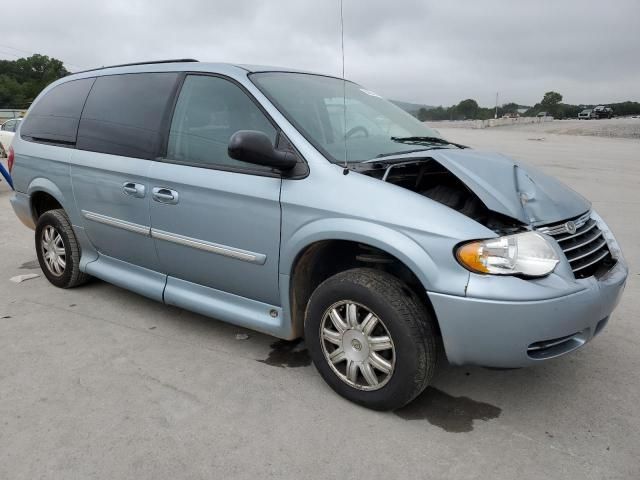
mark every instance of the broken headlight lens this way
{"type": "Point", "coordinates": [526, 254]}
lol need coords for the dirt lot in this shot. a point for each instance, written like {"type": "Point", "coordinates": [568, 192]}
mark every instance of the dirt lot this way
{"type": "Point", "coordinates": [98, 382]}
{"type": "Point", "coordinates": [614, 127]}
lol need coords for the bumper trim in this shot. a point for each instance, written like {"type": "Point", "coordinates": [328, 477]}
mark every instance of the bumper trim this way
{"type": "Point", "coordinates": [558, 346]}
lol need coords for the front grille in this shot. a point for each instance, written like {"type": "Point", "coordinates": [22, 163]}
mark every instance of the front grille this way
{"type": "Point", "coordinates": [586, 249]}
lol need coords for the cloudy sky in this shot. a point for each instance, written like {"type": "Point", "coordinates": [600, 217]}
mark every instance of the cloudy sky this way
{"type": "Point", "coordinates": [433, 52]}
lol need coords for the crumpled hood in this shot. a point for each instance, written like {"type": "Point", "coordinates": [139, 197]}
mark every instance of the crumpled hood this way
{"type": "Point", "coordinates": [513, 188]}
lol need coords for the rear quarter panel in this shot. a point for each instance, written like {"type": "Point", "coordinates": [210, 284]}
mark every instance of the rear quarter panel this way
{"type": "Point", "coordinates": [44, 168]}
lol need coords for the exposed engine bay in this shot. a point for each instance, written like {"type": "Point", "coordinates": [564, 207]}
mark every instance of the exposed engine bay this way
{"type": "Point", "coordinates": [431, 179]}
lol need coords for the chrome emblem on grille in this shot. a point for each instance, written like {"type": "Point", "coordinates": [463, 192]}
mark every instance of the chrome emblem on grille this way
{"type": "Point", "coordinates": [570, 227]}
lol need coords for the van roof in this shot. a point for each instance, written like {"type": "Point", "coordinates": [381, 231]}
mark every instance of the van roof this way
{"type": "Point", "coordinates": [182, 64]}
{"type": "Point", "coordinates": [151, 62]}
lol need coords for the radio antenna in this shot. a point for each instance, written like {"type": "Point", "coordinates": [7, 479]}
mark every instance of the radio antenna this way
{"type": "Point", "coordinates": [344, 89]}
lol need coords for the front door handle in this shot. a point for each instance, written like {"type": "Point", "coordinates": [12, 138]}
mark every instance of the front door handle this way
{"type": "Point", "coordinates": [165, 195]}
{"type": "Point", "coordinates": [134, 189]}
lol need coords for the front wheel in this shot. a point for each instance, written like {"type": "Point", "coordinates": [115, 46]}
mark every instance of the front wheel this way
{"type": "Point", "coordinates": [371, 338]}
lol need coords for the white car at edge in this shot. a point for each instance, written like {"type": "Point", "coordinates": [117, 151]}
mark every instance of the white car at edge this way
{"type": "Point", "coordinates": [7, 131]}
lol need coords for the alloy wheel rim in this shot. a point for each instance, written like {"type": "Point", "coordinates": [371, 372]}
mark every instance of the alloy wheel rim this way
{"type": "Point", "coordinates": [53, 251]}
{"type": "Point", "coordinates": [357, 345]}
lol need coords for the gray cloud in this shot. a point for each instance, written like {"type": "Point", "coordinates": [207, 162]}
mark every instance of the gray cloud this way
{"type": "Point", "coordinates": [425, 51]}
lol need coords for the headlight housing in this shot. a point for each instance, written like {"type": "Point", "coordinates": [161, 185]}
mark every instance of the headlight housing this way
{"type": "Point", "coordinates": [528, 254]}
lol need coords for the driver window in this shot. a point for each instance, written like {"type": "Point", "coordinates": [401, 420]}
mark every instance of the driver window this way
{"type": "Point", "coordinates": [208, 112]}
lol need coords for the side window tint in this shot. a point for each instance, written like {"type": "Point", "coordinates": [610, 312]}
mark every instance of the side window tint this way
{"type": "Point", "coordinates": [124, 114]}
{"type": "Point", "coordinates": [54, 118]}
{"type": "Point", "coordinates": [208, 112]}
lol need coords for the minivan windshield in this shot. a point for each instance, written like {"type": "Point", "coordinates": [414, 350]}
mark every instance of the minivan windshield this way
{"type": "Point", "coordinates": [343, 120]}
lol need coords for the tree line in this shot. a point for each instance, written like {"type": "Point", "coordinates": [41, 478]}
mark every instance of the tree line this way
{"type": "Point", "coordinates": [22, 80]}
{"type": "Point", "coordinates": [551, 103]}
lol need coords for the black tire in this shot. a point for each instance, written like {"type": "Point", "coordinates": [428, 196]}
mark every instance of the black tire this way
{"type": "Point", "coordinates": [406, 320]}
{"type": "Point", "coordinates": [70, 275]}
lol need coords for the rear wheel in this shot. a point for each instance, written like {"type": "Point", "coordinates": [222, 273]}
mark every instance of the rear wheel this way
{"type": "Point", "coordinates": [58, 250]}
{"type": "Point", "coordinates": [371, 338]}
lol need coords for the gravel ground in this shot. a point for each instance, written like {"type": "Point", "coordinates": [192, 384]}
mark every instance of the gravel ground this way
{"type": "Point", "coordinates": [614, 127]}
{"type": "Point", "coordinates": [97, 382]}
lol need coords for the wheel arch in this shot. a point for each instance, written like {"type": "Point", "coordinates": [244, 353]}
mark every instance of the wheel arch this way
{"type": "Point", "coordinates": [327, 247]}
{"type": "Point", "coordinates": [44, 196]}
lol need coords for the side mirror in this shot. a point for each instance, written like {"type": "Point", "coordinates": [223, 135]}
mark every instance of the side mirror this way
{"type": "Point", "coordinates": [255, 147]}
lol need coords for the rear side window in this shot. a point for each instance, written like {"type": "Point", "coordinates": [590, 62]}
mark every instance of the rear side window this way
{"type": "Point", "coordinates": [54, 118]}
{"type": "Point", "coordinates": [124, 114]}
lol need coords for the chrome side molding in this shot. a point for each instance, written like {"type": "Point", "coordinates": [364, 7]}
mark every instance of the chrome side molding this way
{"type": "Point", "coordinates": [238, 254]}
{"type": "Point", "coordinates": [116, 222]}
{"type": "Point", "coordinates": [210, 247]}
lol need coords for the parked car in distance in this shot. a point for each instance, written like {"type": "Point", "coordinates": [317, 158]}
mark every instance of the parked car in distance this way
{"type": "Point", "coordinates": [541, 114]}
{"type": "Point", "coordinates": [7, 132]}
{"type": "Point", "coordinates": [602, 112]}
{"type": "Point", "coordinates": [586, 114]}
{"type": "Point", "coordinates": [241, 193]}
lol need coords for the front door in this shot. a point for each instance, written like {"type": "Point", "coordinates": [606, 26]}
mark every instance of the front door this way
{"type": "Point", "coordinates": [216, 221]}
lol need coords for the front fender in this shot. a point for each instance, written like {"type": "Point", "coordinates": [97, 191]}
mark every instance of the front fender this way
{"type": "Point", "coordinates": [392, 241]}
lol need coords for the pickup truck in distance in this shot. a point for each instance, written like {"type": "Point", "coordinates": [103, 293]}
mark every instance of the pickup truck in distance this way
{"type": "Point", "coordinates": [602, 112]}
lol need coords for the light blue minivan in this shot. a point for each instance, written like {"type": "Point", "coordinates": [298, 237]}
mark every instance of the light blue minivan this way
{"type": "Point", "coordinates": [303, 205]}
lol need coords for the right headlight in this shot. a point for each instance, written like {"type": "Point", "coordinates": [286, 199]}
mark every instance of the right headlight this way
{"type": "Point", "coordinates": [526, 254]}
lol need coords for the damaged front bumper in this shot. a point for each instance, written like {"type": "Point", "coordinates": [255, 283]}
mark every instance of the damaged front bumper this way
{"type": "Point", "coordinates": [511, 322]}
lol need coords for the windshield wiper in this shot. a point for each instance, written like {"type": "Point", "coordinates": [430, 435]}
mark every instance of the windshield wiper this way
{"type": "Point", "coordinates": [431, 143]}
{"type": "Point", "coordinates": [426, 140]}
{"type": "Point", "coordinates": [402, 152]}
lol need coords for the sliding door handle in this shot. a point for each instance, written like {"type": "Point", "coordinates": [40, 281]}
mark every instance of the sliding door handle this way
{"type": "Point", "coordinates": [165, 195]}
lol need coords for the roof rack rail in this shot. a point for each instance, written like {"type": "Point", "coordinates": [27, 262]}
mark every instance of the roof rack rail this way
{"type": "Point", "coordinates": [152, 62]}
